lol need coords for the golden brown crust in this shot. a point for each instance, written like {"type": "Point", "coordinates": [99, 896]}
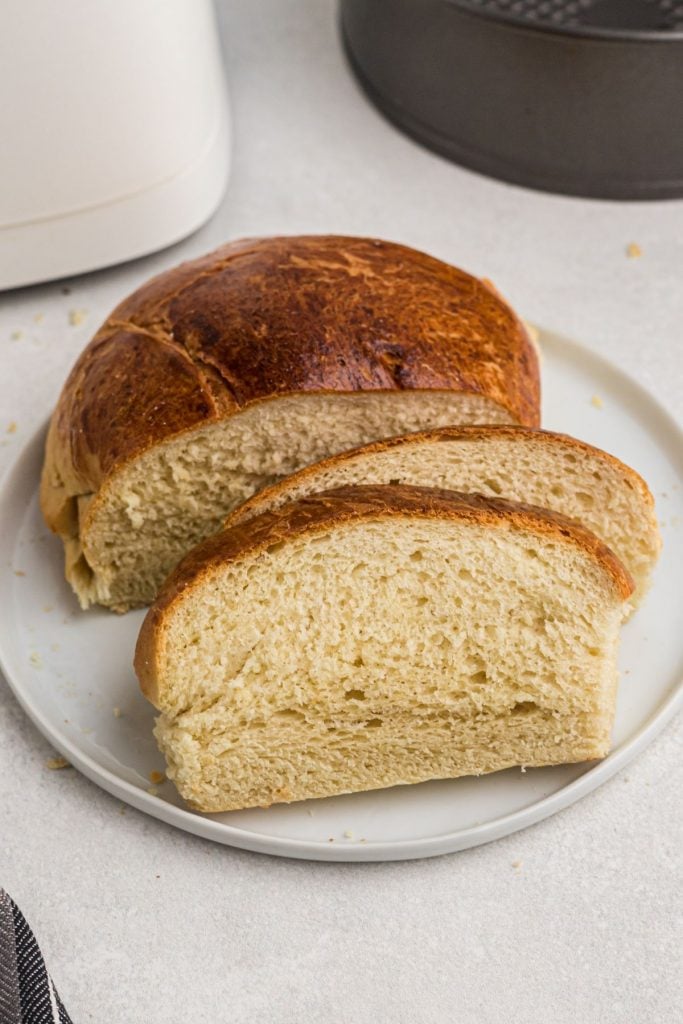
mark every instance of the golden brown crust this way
{"type": "Point", "coordinates": [260, 501]}
{"type": "Point", "coordinates": [345, 505]}
{"type": "Point", "coordinates": [264, 318]}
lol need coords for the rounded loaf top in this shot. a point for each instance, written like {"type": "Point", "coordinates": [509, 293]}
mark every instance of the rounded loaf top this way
{"type": "Point", "coordinates": [263, 318]}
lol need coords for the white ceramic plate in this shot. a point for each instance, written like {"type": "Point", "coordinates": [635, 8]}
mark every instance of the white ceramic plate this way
{"type": "Point", "coordinates": [70, 669]}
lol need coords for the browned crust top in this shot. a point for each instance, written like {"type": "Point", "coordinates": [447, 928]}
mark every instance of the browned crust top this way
{"type": "Point", "coordinates": [347, 505]}
{"type": "Point", "coordinates": [476, 432]}
{"type": "Point", "coordinates": [260, 318]}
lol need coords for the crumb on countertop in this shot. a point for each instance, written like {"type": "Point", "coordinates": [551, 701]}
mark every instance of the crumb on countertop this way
{"type": "Point", "coordinates": [77, 316]}
{"type": "Point", "coordinates": [157, 777]}
{"type": "Point", "coordinates": [597, 401]}
{"type": "Point", "coordinates": [633, 251]}
{"type": "Point", "coordinates": [55, 764]}
{"type": "Point", "coordinates": [12, 427]}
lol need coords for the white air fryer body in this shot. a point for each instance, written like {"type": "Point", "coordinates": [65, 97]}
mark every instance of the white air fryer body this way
{"type": "Point", "coordinates": [114, 127]}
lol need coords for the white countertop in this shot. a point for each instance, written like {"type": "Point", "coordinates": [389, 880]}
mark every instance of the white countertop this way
{"type": "Point", "coordinates": [141, 923]}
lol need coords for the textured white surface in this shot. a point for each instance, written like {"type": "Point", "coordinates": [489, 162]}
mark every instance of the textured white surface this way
{"type": "Point", "coordinates": [587, 927]}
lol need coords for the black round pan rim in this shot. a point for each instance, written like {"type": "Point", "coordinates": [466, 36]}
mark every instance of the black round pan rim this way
{"type": "Point", "coordinates": [631, 35]}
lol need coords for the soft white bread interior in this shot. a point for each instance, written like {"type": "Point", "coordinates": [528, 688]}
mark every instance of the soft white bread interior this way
{"type": "Point", "coordinates": [151, 511]}
{"type": "Point", "coordinates": [375, 636]}
{"type": "Point", "coordinates": [533, 466]}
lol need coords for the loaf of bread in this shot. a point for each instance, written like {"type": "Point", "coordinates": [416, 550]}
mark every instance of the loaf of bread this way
{"type": "Point", "coordinates": [229, 372]}
{"type": "Point", "coordinates": [378, 635]}
{"type": "Point", "coordinates": [533, 466]}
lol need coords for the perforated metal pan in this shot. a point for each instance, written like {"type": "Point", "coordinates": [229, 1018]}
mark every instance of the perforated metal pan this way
{"type": "Point", "coordinates": [583, 97]}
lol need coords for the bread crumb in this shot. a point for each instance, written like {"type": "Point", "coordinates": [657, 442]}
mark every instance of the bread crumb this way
{"type": "Point", "coordinates": [117, 712]}
{"type": "Point", "coordinates": [362, 840]}
{"type": "Point", "coordinates": [12, 428]}
{"type": "Point", "coordinates": [38, 318]}
{"type": "Point", "coordinates": [522, 768]}
{"type": "Point", "coordinates": [153, 791]}
{"type": "Point", "coordinates": [331, 839]}
{"type": "Point", "coordinates": [54, 647]}
{"type": "Point", "coordinates": [35, 659]}
{"type": "Point", "coordinates": [122, 809]}
{"type": "Point", "coordinates": [19, 572]}
{"type": "Point", "coordinates": [48, 607]}
{"type": "Point", "coordinates": [66, 290]}
{"type": "Point", "coordinates": [596, 401]}
{"type": "Point", "coordinates": [310, 813]}
{"type": "Point", "coordinates": [156, 777]}
{"type": "Point", "coordinates": [517, 864]}
{"type": "Point", "coordinates": [77, 316]}
{"type": "Point", "coordinates": [633, 251]}
{"type": "Point", "coordinates": [55, 764]}
{"type": "Point", "coordinates": [348, 834]}
{"type": "Point", "coordinates": [16, 335]}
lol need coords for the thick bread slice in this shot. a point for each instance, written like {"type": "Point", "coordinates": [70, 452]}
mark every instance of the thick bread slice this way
{"type": "Point", "coordinates": [227, 373]}
{"type": "Point", "coordinates": [534, 466]}
{"type": "Point", "coordinates": [373, 636]}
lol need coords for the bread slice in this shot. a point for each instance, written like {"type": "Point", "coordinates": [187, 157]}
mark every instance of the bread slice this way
{"type": "Point", "coordinates": [227, 373]}
{"type": "Point", "coordinates": [377, 635]}
{"type": "Point", "coordinates": [534, 466]}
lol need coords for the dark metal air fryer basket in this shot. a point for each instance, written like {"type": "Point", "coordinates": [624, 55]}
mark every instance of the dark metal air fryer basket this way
{"type": "Point", "coordinates": [583, 97]}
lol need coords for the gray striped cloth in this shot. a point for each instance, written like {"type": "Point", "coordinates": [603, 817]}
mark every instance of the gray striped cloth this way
{"type": "Point", "coordinates": [27, 995]}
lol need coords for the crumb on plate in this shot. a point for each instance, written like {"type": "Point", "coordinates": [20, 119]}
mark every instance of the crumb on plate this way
{"type": "Point", "coordinates": [633, 251]}
{"type": "Point", "coordinates": [77, 316]}
{"type": "Point", "coordinates": [597, 401]}
{"type": "Point", "coordinates": [156, 777]}
{"type": "Point", "coordinates": [55, 764]}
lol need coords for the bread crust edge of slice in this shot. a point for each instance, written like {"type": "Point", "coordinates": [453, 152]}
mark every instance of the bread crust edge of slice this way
{"type": "Point", "coordinates": [259, 502]}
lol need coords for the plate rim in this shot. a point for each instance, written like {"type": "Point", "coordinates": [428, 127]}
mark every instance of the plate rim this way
{"type": "Point", "coordinates": [389, 850]}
